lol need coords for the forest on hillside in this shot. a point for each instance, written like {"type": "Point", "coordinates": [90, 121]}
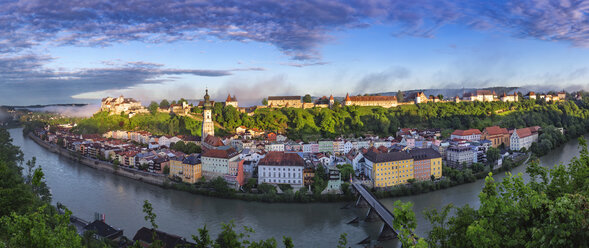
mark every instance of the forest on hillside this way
{"type": "Point", "coordinates": [355, 121]}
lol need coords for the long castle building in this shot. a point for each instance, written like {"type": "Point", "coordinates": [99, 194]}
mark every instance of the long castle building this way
{"type": "Point", "coordinates": [382, 101]}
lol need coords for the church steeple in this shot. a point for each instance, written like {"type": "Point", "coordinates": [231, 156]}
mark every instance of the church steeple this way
{"type": "Point", "coordinates": [208, 127]}
{"type": "Point", "coordinates": [207, 104]}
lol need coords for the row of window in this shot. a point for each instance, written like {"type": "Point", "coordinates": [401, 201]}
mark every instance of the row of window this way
{"type": "Point", "coordinates": [284, 174]}
{"type": "Point", "coordinates": [280, 169]}
{"type": "Point", "coordinates": [281, 181]}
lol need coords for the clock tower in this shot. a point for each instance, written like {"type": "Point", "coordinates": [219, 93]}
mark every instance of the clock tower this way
{"type": "Point", "coordinates": [208, 127]}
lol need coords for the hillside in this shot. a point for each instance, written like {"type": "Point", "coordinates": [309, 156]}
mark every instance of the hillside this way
{"type": "Point", "coordinates": [354, 121]}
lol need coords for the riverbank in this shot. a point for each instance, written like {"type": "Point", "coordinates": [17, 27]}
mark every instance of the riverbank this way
{"type": "Point", "coordinates": [206, 189]}
{"type": "Point", "coordinates": [150, 178]}
{"type": "Point", "coordinates": [450, 179]}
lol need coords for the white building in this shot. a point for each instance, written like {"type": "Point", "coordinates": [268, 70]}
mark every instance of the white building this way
{"type": "Point", "coordinates": [523, 137]}
{"type": "Point", "coordinates": [281, 168]}
{"type": "Point", "coordinates": [456, 156]}
{"type": "Point", "coordinates": [274, 147]}
{"type": "Point", "coordinates": [215, 162]}
{"type": "Point", "coordinates": [470, 134]}
{"type": "Point", "coordinates": [348, 147]}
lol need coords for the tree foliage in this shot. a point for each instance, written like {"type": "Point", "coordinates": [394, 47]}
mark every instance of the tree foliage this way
{"type": "Point", "coordinates": [549, 211]}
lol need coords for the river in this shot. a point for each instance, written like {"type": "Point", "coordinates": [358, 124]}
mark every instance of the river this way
{"type": "Point", "coordinates": [85, 191]}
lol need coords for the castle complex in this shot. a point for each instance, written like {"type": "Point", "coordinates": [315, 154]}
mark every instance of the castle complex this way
{"type": "Point", "coordinates": [383, 101]}
{"type": "Point", "coordinates": [231, 101]}
{"type": "Point", "coordinates": [121, 105]}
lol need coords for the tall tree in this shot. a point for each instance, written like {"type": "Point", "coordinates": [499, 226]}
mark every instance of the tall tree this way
{"type": "Point", "coordinates": [400, 96]}
{"type": "Point", "coordinates": [153, 106]}
{"type": "Point", "coordinates": [307, 98]}
{"type": "Point", "coordinates": [164, 104]}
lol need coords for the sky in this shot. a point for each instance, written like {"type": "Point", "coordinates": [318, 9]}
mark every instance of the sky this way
{"type": "Point", "coordinates": [78, 51]}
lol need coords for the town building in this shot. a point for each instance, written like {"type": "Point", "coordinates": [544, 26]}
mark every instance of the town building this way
{"type": "Point", "coordinates": [509, 98]}
{"type": "Point", "coordinates": [145, 237]}
{"type": "Point", "coordinates": [285, 101]}
{"type": "Point", "coordinates": [523, 138]}
{"type": "Point", "coordinates": [382, 101]}
{"type": "Point", "coordinates": [231, 101]}
{"type": "Point", "coordinates": [281, 168]}
{"type": "Point", "coordinates": [208, 127]}
{"type": "Point", "coordinates": [418, 97]}
{"type": "Point", "coordinates": [182, 108]}
{"type": "Point", "coordinates": [496, 135]}
{"type": "Point", "coordinates": [215, 162]}
{"type": "Point", "coordinates": [531, 95]}
{"type": "Point", "coordinates": [191, 169]}
{"type": "Point", "coordinates": [459, 155]}
{"type": "Point", "coordinates": [389, 169]}
{"type": "Point", "coordinates": [334, 181]}
{"type": "Point", "coordinates": [308, 176]}
{"type": "Point", "coordinates": [426, 163]}
{"type": "Point", "coordinates": [480, 95]}
{"type": "Point", "coordinates": [121, 105]}
{"type": "Point", "coordinates": [470, 134]}
{"type": "Point", "coordinates": [325, 146]}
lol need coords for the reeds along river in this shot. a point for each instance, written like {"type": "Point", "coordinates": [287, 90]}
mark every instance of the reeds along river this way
{"type": "Point", "coordinates": [86, 190]}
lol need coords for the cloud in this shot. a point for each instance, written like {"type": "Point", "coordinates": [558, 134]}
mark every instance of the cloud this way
{"type": "Point", "coordinates": [73, 111]}
{"type": "Point", "coordinates": [381, 81]}
{"type": "Point", "coordinates": [300, 65]}
{"type": "Point", "coordinates": [24, 76]}
{"type": "Point", "coordinates": [251, 93]}
{"type": "Point", "coordinates": [296, 28]}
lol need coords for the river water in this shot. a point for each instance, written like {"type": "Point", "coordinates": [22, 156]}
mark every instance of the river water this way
{"type": "Point", "coordinates": [85, 191]}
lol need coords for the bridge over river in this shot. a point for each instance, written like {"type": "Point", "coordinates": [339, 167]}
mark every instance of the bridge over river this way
{"type": "Point", "coordinates": [377, 211]}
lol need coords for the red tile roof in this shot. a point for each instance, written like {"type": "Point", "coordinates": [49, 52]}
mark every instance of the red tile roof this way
{"type": "Point", "coordinates": [496, 130]}
{"type": "Point", "coordinates": [468, 132]}
{"type": "Point", "coordinates": [372, 98]}
{"type": "Point", "coordinates": [213, 141]}
{"type": "Point", "coordinates": [523, 132]}
{"type": "Point", "coordinates": [282, 158]}
{"type": "Point", "coordinates": [214, 153]}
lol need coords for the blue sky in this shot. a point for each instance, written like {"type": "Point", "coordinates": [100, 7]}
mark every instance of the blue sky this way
{"type": "Point", "coordinates": [80, 51]}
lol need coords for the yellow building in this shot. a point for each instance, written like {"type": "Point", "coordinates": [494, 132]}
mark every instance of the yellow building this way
{"type": "Point", "coordinates": [436, 167]}
{"type": "Point", "coordinates": [187, 168]}
{"type": "Point", "coordinates": [191, 169]}
{"type": "Point", "coordinates": [427, 162]}
{"type": "Point", "coordinates": [389, 169]}
{"type": "Point", "coordinates": [176, 167]}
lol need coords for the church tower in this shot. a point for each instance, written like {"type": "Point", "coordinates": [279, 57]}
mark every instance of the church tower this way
{"type": "Point", "coordinates": [208, 127]}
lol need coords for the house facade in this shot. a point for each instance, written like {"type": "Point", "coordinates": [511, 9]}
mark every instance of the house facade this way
{"type": "Point", "coordinates": [215, 163]}
{"type": "Point", "coordinates": [389, 169]}
{"type": "Point", "coordinates": [281, 168]}
{"type": "Point", "coordinates": [522, 138]}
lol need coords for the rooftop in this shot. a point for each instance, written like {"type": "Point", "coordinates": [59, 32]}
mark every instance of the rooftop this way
{"type": "Point", "coordinates": [282, 158]}
{"type": "Point", "coordinates": [386, 157]}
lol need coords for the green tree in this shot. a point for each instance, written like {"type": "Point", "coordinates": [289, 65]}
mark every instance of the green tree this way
{"type": "Point", "coordinates": [41, 228]}
{"type": "Point", "coordinates": [153, 106]}
{"type": "Point", "coordinates": [493, 154]}
{"type": "Point", "coordinates": [264, 102]}
{"type": "Point", "coordinates": [400, 96]}
{"type": "Point", "coordinates": [343, 241]}
{"type": "Point", "coordinates": [346, 171]}
{"type": "Point", "coordinates": [307, 98]}
{"type": "Point", "coordinates": [149, 214]}
{"type": "Point", "coordinates": [164, 104]}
